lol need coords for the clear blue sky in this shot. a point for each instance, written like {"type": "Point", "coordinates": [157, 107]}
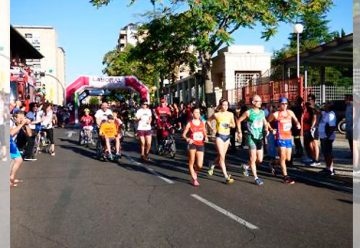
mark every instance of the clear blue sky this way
{"type": "Point", "coordinates": [87, 33]}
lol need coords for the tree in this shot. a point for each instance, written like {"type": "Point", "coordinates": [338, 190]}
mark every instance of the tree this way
{"type": "Point", "coordinates": [119, 63]}
{"type": "Point", "coordinates": [316, 32]}
{"type": "Point", "coordinates": [213, 22]}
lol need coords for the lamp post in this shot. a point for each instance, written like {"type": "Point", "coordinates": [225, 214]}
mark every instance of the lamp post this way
{"type": "Point", "coordinates": [298, 29]}
{"type": "Point", "coordinates": [62, 86]}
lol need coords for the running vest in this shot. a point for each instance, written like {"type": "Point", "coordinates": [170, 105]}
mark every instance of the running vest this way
{"type": "Point", "coordinates": [197, 133]}
{"type": "Point", "coordinates": [284, 125]}
{"type": "Point", "coordinates": [223, 122]}
{"type": "Point", "coordinates": [255, 123]}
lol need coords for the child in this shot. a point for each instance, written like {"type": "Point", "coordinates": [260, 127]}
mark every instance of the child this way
{"type": "Point", "coordinates": [108, 132]}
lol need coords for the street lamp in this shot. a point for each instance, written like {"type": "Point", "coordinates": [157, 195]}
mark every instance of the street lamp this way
{"type": "Point", "coordinates": [298, 29]}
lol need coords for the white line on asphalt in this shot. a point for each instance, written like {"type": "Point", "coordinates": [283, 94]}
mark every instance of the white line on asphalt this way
{"type": "Point", "coordinates": [225, 212]}
{"type": "Point", "coordinates": [70, 134]}
{"type": "Point", "coordinates": [151, 170]}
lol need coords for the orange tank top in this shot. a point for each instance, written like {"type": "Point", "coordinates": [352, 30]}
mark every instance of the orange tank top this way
{"type": "Point", "coordinates": [284, 125]}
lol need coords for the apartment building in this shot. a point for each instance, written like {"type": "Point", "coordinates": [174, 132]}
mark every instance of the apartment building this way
{"type": "Point", "coordinates": [127, 36]}
{"type": "Point", "coordinates": [44, 39]}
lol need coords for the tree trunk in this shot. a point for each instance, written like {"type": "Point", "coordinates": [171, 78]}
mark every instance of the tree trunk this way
{"type": "Point", "coordinates": [209, 86]}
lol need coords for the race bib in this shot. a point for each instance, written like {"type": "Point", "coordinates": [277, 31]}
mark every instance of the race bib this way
{"type": "Point", "coordinates": [225, 125]}
{"type": "Point", "coordinates": [287, 126]}
{"type": "Point", "coordinates": [198, 136]}
{"type": "Point", "coordinates": [258, 124]}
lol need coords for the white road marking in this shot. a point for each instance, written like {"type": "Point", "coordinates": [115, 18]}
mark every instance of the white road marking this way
{"type": "Point", "coordinates": [151, 170]}
{"type": "Point", "coordinates": [70, 133]}
{"type": "Point", "coordinates": [225, 212]}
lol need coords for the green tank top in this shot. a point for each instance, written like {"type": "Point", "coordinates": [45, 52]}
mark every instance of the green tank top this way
{"type": "Point", "coordinates": [255, 123]}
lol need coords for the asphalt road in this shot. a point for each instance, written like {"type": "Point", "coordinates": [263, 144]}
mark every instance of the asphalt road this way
{"type": "Point", "coordinates": [74, 200]}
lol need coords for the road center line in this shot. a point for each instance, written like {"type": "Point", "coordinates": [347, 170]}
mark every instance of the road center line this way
{"type": "Point", "coordinates": [151, 170]}
{"type": "Point", "coordinates": [225, 212]}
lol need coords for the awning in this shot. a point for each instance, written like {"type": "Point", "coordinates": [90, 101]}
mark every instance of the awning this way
{"type": "Point", "coordinates": [336, 52]}
{"type": "Point", "coordinates": [20, 47]}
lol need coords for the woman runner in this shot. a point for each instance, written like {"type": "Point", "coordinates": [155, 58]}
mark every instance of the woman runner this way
{"type": "Point", "coordinates": [224, 121]}
{"type": "Point", "coordinates": [196, 139]}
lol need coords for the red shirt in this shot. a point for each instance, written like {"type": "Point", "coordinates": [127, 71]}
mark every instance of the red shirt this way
{"type": "Point", "coordinates": [197, 133]}
{"type": "Point", "coordinates": [87, 120]}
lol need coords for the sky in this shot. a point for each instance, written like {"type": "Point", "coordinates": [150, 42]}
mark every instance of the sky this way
{"type": "Point", "coordinates": [87, 33]}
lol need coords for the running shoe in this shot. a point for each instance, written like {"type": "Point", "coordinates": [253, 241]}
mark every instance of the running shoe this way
{"type": "Point", "coordinates": [245, 170]}
{"type": "Point", "coordinates": [195, 183]}
{"type": "Point", "coordinates": [328, 172]}
{"type": "Point", "coordinates": [118, 156]}
{"type": "Point", "coordinates": [211, 170]}
{"type": "Point", "coordinates": [259, 182]}
{"type": "Point", "coordinates": [315, 164]}
{"type": "Point", "coordinates": [110, 156]}
{"type": "Point", "coordinates": [288, 180]}
{"type": "Point", "coordinates": [229, 180]}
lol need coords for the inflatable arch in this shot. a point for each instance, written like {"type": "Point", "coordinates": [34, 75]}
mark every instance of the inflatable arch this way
{"type": "Point", "coordinates": [94, 82]}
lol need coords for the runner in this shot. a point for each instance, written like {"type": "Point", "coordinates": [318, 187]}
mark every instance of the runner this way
{"type": "Point", "coordinates": [195, 141]}
{"type": "Point", "coordinates": [143, 117]}
{"type": "Point", "coordinates": [284, 118]}
{"type": "Point", "coordinates": [256, 124]}
{"type": "Point", "coordinates": [224, 121]}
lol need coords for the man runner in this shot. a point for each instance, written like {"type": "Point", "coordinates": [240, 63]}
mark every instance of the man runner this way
{"type": "Point", "coordinates": [256, 124]}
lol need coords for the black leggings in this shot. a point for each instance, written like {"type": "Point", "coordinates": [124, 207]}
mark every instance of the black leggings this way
{"type": "Point", "coordinates": [50, 135]}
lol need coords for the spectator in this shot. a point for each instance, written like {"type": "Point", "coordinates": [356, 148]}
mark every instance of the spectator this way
{"type": "Point", "coordinates": [34, 125]}
{"type": "Point", "coordinates": [298, 110]}
{"type": "Point", "coordinates": [349, 120]}
{"type": "Point", "coordinates": [315, 127]}
{"type": "Point", "coordinates": [327, 127]}
{"type": "Point", "coordinates": [17, 123]}
{"type": "Point", "coordinates": [46, 115]}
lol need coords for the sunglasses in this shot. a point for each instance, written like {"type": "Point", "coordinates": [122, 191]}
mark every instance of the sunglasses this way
{"type": "Point", "coordinates": [284, 103]}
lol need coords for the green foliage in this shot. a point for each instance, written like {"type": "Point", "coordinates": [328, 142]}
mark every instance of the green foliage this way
{"type": "Point", "coordinates": [123, 63]}
{"type": "Point", "coordinates": [94, 101]}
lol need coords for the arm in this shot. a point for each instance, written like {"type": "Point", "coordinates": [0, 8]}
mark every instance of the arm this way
{"type": "Point", "coordinates": [298, 124]}
{"type": "Point", "coordinates": [232, 122]}
{"type": "Point", "coordinates": [243, 117]}
{"type": "Point", "coordinates": [15, 130]}
{"type": "Point", "coordinates": [209, 120]}
{"type": "Point", "coordinates": [186, 130]}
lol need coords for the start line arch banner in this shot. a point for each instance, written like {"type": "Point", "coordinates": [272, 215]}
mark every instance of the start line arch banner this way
{"type": "Point", "coordinates": [103, 82]}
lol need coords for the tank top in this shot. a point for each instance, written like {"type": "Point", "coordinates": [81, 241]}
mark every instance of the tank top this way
{"type": "Point", "coordinates": [284, 125]}
{"type": "Point", "coordinates": [223, 122]}
{"type": "Point", "coordinates": [255, 123]}
{"type": "Point", "coordinates": [307, 120]}
{"type": "Point", "coordinates": [197, 133]}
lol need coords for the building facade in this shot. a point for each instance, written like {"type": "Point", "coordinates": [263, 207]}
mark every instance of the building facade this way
{"type": "Point", "coordinates": [232, 68]}
{"type": "Point", "coordinates": [127, 36]}
{"type": "Point", "coordinates": [44, 39]}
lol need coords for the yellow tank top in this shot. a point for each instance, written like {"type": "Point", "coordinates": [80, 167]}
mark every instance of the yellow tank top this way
{"type": "Point", "coordinates": [223, 122]}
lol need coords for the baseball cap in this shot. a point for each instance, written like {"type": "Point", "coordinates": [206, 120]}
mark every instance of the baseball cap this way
{"type": "Point", "coordinates": [283, 100]}
{"type": "Point", "coordinates": [162, 100]}
{"type": "Point", "coordinates": [144, 101]}
{"type": "Point", "coordinates": [110, 117]}
{"type": "Point", "coordinates": [87, 110]}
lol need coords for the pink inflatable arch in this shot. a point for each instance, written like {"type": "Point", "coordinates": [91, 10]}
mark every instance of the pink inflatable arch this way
{"type": "Point", "coordinates": [93, 82]}
{"type": "Point", "coordinates": [90, 82]}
